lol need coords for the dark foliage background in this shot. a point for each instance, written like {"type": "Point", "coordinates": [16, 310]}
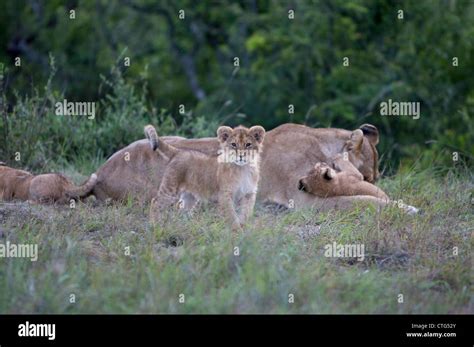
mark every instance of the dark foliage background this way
{"type": "Point", "coordinates": [190, 62]}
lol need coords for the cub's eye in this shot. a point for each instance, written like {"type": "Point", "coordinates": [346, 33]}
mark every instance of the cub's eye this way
{"type": "Point", "coordinates": [234, 145]}
{"type": "Point", "coordinates": [248, 145]}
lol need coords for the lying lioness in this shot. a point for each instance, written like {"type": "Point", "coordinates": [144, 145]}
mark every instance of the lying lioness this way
{"type": "Point", "coordinates": [53, 187]}
{"type": "Point", "coordinates": [324, 181]}
{"type": "Point", "coordinates": [230, 177]}
{"type": "Point", "coordinates": [289, 152]}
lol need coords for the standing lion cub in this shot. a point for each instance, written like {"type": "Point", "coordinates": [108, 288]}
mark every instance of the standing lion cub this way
{"type": "Point", "coordinates": [230, 176]}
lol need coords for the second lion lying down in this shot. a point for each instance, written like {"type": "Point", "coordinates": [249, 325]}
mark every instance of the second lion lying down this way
{"type": "Point", "coordinates": [46, 188]}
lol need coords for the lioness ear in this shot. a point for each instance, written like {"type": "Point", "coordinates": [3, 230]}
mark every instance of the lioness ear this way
{"type": "Point", "coordinates": [257, 132]}
{"type": "Point", "coordinates": [223, 133]}
{"type": "Point", "coordinates": [355, 143]}
{"type": "Point", "coordinates": [371, 132]}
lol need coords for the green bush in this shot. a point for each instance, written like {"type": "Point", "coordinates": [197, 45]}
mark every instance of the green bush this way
{"type": "Point", "coordinates": [41, 138]}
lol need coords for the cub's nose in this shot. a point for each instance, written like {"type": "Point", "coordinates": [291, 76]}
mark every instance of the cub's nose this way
{"type": "Point", "coordinates": [301, 186]}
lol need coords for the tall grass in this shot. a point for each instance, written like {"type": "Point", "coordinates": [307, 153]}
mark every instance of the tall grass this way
{"type": "Point", "coordinates": [82, 251]}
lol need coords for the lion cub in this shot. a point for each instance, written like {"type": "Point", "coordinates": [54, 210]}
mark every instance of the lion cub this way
{"type": "Point", "coordinates": [323, 181]}
{"type": "Point", "coordinates": [230, 177]}
{"type": "Point", "coordinates": [22, 185]}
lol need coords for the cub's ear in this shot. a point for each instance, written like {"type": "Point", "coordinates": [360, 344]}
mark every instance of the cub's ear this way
{"type": "Point", "coordinates": [355, 143]}
{"type": "Point", "coordinates": [257, 132]}
{"type": "Point", "coordinates": [371, 132]}
{"type": "Point", "coordinates": [329, 174]}
{"type": "Point", "coordinates": [223, 133]}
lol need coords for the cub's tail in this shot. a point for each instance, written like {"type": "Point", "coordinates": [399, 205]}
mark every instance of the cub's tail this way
{"type": "Point", "coordinates": [156, 144]}
{"type": "Point", "coordinates": [84, 189]}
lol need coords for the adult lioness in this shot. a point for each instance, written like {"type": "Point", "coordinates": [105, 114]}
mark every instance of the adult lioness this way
{"type": "Point", "coordinates": [289, 151]}
{"type": "Point", "coordinates": [22, 185]}
{"type": "Point", "coordinates": [134, 171]}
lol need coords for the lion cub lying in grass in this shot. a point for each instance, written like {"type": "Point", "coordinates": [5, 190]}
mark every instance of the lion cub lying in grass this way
{"type": "Point", "coordinates": [22, 185]}
{"type": "Point", "coordinates": [323, 181]}
{"type": "Point", "coordinates": [230, 176]}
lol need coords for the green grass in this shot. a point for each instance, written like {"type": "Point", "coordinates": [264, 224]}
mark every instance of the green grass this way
{"type": "Point", "coordinates": [82, 252]}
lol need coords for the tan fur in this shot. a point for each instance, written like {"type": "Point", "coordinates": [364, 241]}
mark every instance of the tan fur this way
{"type": "Point", "coordinates": [289, 152]}
{"type": "Point", "coordinates": [22, 185]}
{"type": "Point", "coordinates": [135, 171]}
{"type": "Point", "coordinates": [230, 178]}
{"type": "Point", "coordinates": [324, 181]}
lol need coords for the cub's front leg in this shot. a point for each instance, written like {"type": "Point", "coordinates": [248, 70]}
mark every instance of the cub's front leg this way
{"type": "Point", "coordinates": [226, 205]}
{"type": "Point", "coordinates": [247, 204]}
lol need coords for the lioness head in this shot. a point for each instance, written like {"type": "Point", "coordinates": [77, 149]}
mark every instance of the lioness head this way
{"type": "Point", "coordinates": [240, 145]}
{"type": "Point", "coordinates": [362, 152]}
{"type": "Point", "coordinates": [319, 181]}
